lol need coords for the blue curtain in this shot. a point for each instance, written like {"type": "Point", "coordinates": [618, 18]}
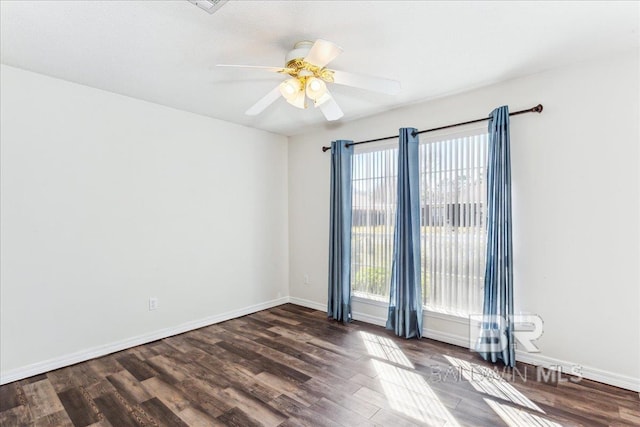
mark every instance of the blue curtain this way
{"type": "Point", "coordinates": [405, 303]}
{"type": "Point", "coordinates": [496, 339]}
{"type": "Point", "coordinates": [339, 301]}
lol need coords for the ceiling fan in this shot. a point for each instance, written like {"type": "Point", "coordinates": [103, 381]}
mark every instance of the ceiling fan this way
{"type": "Point", "coordinates": [308, 78]}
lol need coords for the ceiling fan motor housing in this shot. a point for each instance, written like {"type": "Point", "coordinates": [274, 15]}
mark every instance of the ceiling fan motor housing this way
{"type": "Point", "coordinates": [300, 51]}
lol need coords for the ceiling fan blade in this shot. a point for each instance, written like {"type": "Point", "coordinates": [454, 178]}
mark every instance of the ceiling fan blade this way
{"type": "Point", "coordinates": [263, 103]}
{"type": "Point", "coordinates": [330, 108]}
{"type": "Point", "coordinates": [375, 84]}
{"type": "Point", "coordinates": [322, 52]}
{"type": "Point", "coordinates": [259, 67]}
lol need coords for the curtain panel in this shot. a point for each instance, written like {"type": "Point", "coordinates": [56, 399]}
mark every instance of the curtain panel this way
{"type": "Point", "coordinates": [496, 338]}
{"type": "Point", "coordinates": [405, 302]}
{"type": "Point", "coordinates": [339, 299]}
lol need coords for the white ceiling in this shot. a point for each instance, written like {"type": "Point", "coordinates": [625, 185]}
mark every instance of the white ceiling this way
{"type": "Point", "coordinates": [166, 51]}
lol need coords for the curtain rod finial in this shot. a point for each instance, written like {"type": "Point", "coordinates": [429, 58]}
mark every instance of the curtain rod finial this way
{"type": "Point", "coordinates": [325, 149]}
{"type": "Point", "coordinates": [537, 108]}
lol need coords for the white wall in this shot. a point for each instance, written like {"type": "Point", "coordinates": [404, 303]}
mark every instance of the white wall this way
{"type": "Point", "coordinates": [108, 200]}
{"type": "Point", "coordinates": [576, 216]}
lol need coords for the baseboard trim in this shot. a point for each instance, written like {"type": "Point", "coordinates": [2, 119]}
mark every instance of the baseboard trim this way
{"type": "Point", "coordinates": [536, 359]}
{"type": "Point", "coordinates": [587, 372]}
{"type": "Point", "coordinates": [323, 307]}
{"type": "Point", "coordinates": [103, 350]}
{"type": "Point", "coordinates": [308, 303]}
{"type": "Point", "coordinates": [445, 337]}
{"type": "Point", "coordinates": [367, 318]}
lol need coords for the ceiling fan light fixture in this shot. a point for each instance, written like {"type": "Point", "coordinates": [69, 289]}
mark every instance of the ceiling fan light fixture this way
{"type": "Point", "coordinates": [290, 88]}
{"type": "Point", "coordinates": [299, 100]}
{"type": "Point", "coordinates": [316, 88]}
{"type": "Point", "coordinates": [305, 66]}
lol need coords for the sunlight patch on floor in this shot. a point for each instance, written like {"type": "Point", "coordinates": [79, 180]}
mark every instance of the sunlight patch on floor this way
{"type": "Point", "coordinates": [486, 380]}
{"type": "Point", "coordinates": [515, 417]}
{"type": "Point", "coordinates": [407, 392]}
{"type": "Point", "coordinates": [385, 349]}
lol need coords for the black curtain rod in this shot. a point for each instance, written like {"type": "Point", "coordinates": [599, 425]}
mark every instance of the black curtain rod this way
{"type": "Point", "coordinates": [536, 109]}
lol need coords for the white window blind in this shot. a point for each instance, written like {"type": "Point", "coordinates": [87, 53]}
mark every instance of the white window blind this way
{"type": "Point", "coordinates": [374, 177]}
{"type": "Point", "coordinates": [453, 233]}
{"type": "Point", "coordinates": [452, 220]}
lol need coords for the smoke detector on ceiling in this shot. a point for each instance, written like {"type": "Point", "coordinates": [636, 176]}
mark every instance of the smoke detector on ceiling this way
{"type": "Point", "coordinates": [209, 5]}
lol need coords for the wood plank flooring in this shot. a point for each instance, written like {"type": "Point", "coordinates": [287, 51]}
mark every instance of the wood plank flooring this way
{"type": "Point", "coordinates": [290, 366]}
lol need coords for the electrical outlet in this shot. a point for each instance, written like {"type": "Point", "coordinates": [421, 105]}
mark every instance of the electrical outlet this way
{"type": "Point", "coordinates": [306, 279]}
{"type": "Point", "coordinates": [153, 303]}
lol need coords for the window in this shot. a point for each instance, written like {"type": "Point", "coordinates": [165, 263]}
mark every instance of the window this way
{"type": "Point", "coordinates": [374, 189]}
{"type": "Point", "coordinates": [452, 223]}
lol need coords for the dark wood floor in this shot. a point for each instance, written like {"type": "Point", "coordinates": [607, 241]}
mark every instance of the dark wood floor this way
{"type": "Point", "coordinates": [291, 366]}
